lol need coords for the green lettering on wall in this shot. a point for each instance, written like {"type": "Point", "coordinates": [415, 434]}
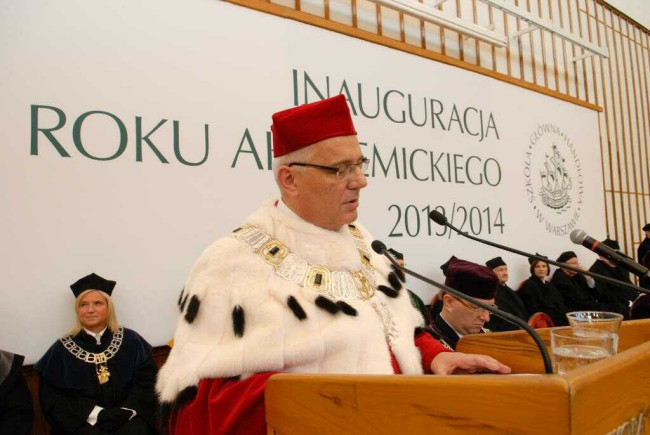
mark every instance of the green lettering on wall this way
{"type": "Point", "coordinates": [47, 132]}
{"type": "Point", "coordinates": [76, 135]}
{"type": "Point", "coordinates": [177, 146]}
{"type": "Point", "coordinates": [139, 138]}
{"type": "Point", "coordinates": [251, 150]}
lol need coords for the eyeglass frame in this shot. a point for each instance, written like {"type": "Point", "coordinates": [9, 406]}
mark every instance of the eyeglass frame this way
{"type": "Point", "coordinates": [474, 309]}
{"type": "Point", "coordinates": [337, 169]}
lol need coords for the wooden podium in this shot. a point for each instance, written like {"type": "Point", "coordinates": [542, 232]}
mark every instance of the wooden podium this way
{"type": "Point", "coordinates": [610, 396]}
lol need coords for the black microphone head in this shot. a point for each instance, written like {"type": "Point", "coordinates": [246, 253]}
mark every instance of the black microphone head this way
{"type": "Point", "coordinates": [378, 246]}
{"type": "Point", "coordinates": [437, 217]}
{"type": "Point", "coordinates": [578, 236]}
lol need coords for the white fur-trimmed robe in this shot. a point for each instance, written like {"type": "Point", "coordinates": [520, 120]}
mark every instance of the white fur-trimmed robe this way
{"type": "Point", "coordinates": [230, 274]}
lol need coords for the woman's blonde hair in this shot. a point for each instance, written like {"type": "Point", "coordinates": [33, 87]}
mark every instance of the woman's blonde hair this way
{"type": "Point", "coordinates": [111, 317]}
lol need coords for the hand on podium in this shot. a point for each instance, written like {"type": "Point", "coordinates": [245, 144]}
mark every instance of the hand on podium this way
{"type": "Point", "coordinates": [448, 363]}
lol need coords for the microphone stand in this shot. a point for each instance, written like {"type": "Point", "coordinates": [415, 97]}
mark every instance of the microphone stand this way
{"type": "Point", "coordinates": [440, 219]}
{"type": "Point", "coordinates": [380, 248]}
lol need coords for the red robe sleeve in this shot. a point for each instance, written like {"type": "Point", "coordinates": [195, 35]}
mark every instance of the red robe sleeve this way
{"type": "Point", "coordinates": [224, 406]}
{"type": "Point", "coordinates": [429, 349]}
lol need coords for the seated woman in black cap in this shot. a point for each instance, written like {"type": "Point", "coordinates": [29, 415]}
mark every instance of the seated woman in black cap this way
{"type": "Point", "coordinates": [99, 378]}
{"type": "Point", "coordinates": [540, 295]}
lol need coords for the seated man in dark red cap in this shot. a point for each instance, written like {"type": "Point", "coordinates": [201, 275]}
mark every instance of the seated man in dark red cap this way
{"type": "Point", "coordinates": [617, 298]}
{"type": "Point", "coordinates": [457, 317]}
{"type": "Point", "coordinates": [506, 298]}
{"type": "Point", "coordinates": [295, 289]}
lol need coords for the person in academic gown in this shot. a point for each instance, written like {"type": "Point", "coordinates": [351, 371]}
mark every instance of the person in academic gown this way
{"type": "Point", "coordinates": [640, 308]}
{"type": "Point", "coordinates": [644, 246]}
{"type": "Point", "coordinates": [641, 252]}
{"type": "Point", "coordinates": [617, 298]}
{"type": "Point", "coordinates": [297, 288]}
{"type": "Point", "coordinates": [458, 317]}
{"type": "Point", "coordinates": [100, 378]}
{"type": "Point", "coordinates": [578, 291]}
{"type": "Point", "coordinates": [540, 295]}
{"type": "Point", "coordinates": [16, 407]}
{"type": "Point", "coordinates": [506, 299]}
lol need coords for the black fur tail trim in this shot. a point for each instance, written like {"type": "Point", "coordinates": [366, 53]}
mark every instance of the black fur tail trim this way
{"type": "Point", "coordinates": [394, 281]}
{"type": "Point", "coordinates": [182, 307]}
{"type": "Point", "coordinates": [296, 308]}
{"type": "Point", "coordinates": [391, 293]}
{"type": "Point", "coordinates": [327, 305]}
{"type": "Point", "coordinates": [192, 309]}
{"type": "Point", "coordinates": [347, 308]}
{"type": "Point", "coordinates": [180, 297]}
{"type": "Point", "coordinates": [399, 273]}
{"type": "Point", "coordinates": [238, 320]}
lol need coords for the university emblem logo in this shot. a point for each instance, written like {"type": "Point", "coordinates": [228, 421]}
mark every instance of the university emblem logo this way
{"type": "Point", "coordinates": [554, 180]}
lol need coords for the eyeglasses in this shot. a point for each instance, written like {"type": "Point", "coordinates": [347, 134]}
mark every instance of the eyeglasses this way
{"type": "Point", "coordinates": [343, 172]}
{"type": "Point", "coordinates": [476, 310]}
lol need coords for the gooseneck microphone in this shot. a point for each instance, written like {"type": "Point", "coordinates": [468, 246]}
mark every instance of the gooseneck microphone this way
{"type": "Point", "coordinates": [579, 237]}
{"type": "Point", "coordinates": [380, 248]}
{"type": "Point", "coordinates": [440, 219]}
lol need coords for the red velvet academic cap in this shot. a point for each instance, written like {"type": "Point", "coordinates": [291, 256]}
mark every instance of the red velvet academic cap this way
{"type": "Point", "coordinates": [305, 125]}
{"type": "Point", "coordinates": [470, 278]}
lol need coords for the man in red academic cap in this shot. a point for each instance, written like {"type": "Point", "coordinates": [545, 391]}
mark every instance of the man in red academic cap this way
{"type": "Point", "coordinates": [295, 289]}
{"type": "Point", "coordinates": [457, 317]}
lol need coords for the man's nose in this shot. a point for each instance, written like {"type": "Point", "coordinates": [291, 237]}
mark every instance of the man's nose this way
{"type": "Point", "coordinates": [358, 180]}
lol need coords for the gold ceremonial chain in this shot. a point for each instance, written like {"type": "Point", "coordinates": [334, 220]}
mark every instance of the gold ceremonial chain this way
{"type": "Point", "coordinates": [99, 359]}
{"type": "Point", "coordinates": [339, 285]}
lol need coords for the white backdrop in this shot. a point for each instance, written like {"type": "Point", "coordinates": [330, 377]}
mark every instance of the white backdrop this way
{"type": "Point", "coordinates": [96, 77]}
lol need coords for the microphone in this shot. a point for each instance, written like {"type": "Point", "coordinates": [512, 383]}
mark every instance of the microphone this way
{"type": "Point", "coordinates": [579, 237]}
{"type": "Point", "coordinates": [380, 248]}
{"type": "Point", "coordinates": [441, 219]}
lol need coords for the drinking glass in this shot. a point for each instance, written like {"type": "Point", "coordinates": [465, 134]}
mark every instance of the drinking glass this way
{"type": "Point", "coordinates": [601, 320]}
{"type": "Point", "coordinates": [577, 347]}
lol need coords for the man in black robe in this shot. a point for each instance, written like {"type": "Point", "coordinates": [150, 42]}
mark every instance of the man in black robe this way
{"type": "Point", "coordinates": [617, 298]}
{"type": "Point", "coordinates": [642, 251]}
{"type": "Point", "coordinates": [644, 246]}
{"type": "Point", "coordinates": [640, 308]}
{"type": "Point", "coordinates": [506, 298]}
{"type": "Point", "coordinates": [579, 291]}
{"type": "Point", "coordinates": [16, 408]}
{"type": "Point", "coordinates": [79, 393]}
{"type": "Point", "coordinates": [457, 317]}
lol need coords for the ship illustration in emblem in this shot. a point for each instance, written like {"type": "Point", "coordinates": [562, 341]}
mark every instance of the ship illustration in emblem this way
{"type": "Point", "coordinates": [556, 182]}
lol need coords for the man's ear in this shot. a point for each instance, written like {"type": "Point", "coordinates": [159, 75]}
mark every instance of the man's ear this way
{"type": "Point", "coordinates": [287, 181]}
{"type": "Point", "coordinates": [447, 299]}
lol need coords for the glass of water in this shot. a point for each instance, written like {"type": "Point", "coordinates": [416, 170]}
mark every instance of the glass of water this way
{"type": "Point", "coordinates": [600, 320]}
{"type": "Point", "coordinates": [577, 347]}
